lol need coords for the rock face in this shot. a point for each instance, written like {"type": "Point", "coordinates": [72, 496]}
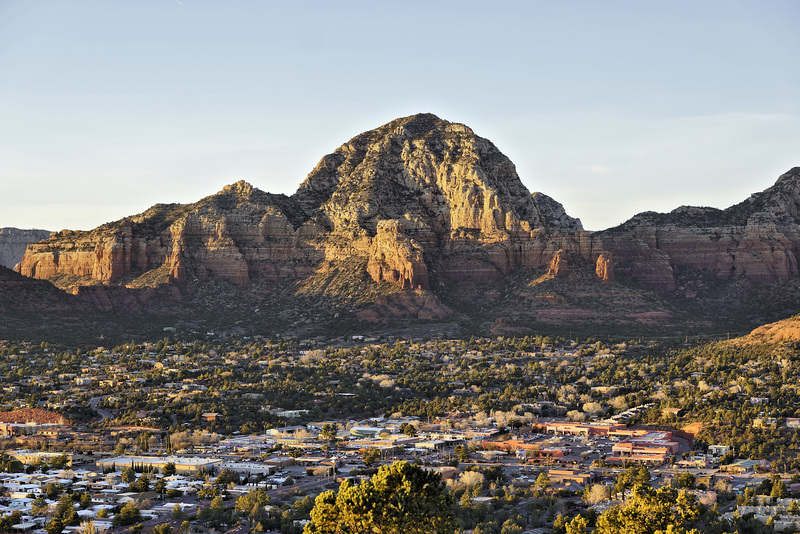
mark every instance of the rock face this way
{"type": "Point", "coordinates": [758, 239]}
{"type": "Point", "coordinates": [604, 267]}
{"type": "Point", "coordinates": [397, 259]}
{"type": "Point", "coordinates": [14, 241]}
{"type": "Point", "coordinates": [417, 203]}
{"type": "Point", "coordinates": [226, 236]}
{"type": "Point", "coordinates": [406, 215]}
{"type": "Point", "coordinates": [559, 265]}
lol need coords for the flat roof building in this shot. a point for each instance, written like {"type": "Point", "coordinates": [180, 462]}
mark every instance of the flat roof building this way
{"type": "Point", "coordinates": [183, 464]}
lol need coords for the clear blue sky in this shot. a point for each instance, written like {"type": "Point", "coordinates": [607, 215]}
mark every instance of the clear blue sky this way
{"type": "Point", "coordinates": [611, 108]}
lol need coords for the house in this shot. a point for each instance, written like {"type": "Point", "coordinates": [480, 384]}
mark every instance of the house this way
{"type": "Point", "coordinates": [584, 429]}
{"type": "Point", "coordinates": [565, 476]}
{"type": "Point", "coordinates": [183, 464]}
{"type": "Point", "coordinates": [743, 466]}
{"type": "Point", "coordinates": [719, 450]}
{"type": "Point", "coordinates": [765, 422]}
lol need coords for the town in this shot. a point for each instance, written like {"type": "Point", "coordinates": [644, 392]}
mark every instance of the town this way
{"type": "Point", "coordinates": [528, 433]}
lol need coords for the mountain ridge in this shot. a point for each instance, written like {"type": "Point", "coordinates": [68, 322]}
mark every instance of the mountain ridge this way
{"type": "Point", "coordinates": [421, 219]}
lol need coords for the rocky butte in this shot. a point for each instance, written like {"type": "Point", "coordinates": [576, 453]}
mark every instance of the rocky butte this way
{"type": "Point", "coordinates": [419, 203]}
{"type": "Point", "coordinates": [418, 216]}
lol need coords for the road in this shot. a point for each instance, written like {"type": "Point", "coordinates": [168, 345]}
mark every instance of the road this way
{"type": "Point", "coordinates": [93, 402]}
{"type": "Point", "coordinates": [307, 485]}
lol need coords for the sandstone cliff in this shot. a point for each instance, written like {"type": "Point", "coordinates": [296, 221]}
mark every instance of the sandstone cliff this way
{"type": "Point", "coordinates": [423, 219]}
{"type": "Point", "coordinates": [14, 241]}
{"type": "Point", "coordinates": [418, 203]}
{"type": "Point", "coordinates": [758, 239]}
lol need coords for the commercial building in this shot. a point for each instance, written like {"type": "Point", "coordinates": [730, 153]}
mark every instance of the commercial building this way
{"type": "Point", "coordinates": [652, 448]}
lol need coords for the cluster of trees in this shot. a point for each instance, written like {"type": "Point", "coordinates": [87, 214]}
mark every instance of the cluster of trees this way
{"type": "Point", "coordinates": [400, 498]}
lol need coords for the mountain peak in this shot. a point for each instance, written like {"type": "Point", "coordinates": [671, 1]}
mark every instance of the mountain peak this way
{"type": "Point", "coordinates": [240, 189]}
{"type": "Point", "coordinates": [427, 172]}
{"type": "Point", "coordinates": [423, 124]}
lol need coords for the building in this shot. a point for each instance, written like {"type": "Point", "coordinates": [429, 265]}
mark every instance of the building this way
{"type": "Point", "coordinates": [291, 414]}
{"type": "Point", "coordinates": [566, 476]}
{"type": "Point", "coordinates": [743, 466]}
{"type": "Point", "coordinates": [652, 448]}
{"type": "Point", "coordinates": [584, 429]}
{"type": "Point", "coordinates": [183, 464]}
{"type": "Point", "coordinates": [248, 468]}
{"type": "Point", "coordinates": [29, 457]}
{"type": "Point", "coordinates": [525, 449]}
{"type": "Point", "coordinates": [719, 450]}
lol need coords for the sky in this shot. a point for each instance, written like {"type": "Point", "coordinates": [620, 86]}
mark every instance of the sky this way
{"type": "Point", "coordinates": [611, 108]}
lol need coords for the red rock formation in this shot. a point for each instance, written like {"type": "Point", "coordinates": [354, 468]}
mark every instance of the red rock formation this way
{"type": "Point", "coordinates": [419, 203]}
{"type": "Point", "coordinates": [604, 268]}
{"type": "Point", "coordinates": [396, 259]}
{"type": "Point", "coordinates": [414, 195]}
{"type": "Point", "coordinates": [14, 241]}
{"type": "Point", "coordinates": [559, 265]}
{"type": "Point", "coordinates": [758, 239]}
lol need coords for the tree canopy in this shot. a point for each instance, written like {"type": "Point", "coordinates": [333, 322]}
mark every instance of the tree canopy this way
{"type": "Point", "coordinates": [650, 510]}
{"type": "Point", "coordinates": [401, 498]}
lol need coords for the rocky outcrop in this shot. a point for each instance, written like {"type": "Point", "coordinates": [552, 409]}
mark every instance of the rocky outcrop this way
{"type": "Point", "coordinates": [14, 241]}
{"type": "Point", "coordinates": [397, 259]}
{"type": "Point", "coordinates": [758, 239]}
{"type": "Point", "coordinates": [604, 268]}
{"type": "Point", "coordinates": [555, 214]}
{"type": "Point", "coordinates": [559, 265]}
{"type": "Point", "coordinates": [226, 236]}
{"type": "Point", "coordinates": [406, 216]}
{"type": "Point", "coordinates": [417, 203]}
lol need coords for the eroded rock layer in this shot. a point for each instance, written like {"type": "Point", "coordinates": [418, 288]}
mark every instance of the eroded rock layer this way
{"type": "Point", "coordinates": [758, 239]}
{"type": "Point", "coordinates": [421, 202]}
{"type": "Point", "coordinates": [410, 213]}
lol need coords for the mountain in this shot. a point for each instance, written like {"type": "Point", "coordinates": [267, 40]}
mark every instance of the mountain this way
{"type": "Point", "coordinates": [418, 201]}
{"type": "Point", "coordinates": [423, 220]}
{"type": "Point", "coordinates": [758, 239]}
{"type": "Point", "coordinates": [14, 241]}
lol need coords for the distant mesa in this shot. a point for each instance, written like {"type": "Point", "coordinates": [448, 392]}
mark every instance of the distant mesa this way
{"type": "Point", "coordinates": [421, 218]}
{"type": "Point", "coordinates": [14, 241]}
